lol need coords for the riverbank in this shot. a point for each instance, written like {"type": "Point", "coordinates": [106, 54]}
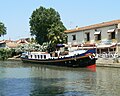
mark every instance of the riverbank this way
{"type": "Point", "coordinates": [107, 62]}
{"type": "Point", "coordinates": [14, 59]}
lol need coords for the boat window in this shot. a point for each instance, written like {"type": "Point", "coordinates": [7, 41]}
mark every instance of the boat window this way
{"type": "Point", "coordinates": [35, 56]}
{"type": "Point", "coordinates": [31, 56]}
{"type": "Point", "coordinates": [44, 56]}
{"type": "Point", "coordinates": [41, 56]}
{"type": "Point", "coordinates": [38, 56]}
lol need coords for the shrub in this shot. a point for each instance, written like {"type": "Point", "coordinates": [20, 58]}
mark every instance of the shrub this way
{"type": "Point", "coordinates": [5, 53]}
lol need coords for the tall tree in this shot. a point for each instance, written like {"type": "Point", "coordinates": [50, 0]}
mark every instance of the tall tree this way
{"type": "Point", "coordinates": [56, 34]}
{"type": "Point", "coordinates": [2, 29]}
{"type": "Point", "coordinates": [45, 22]}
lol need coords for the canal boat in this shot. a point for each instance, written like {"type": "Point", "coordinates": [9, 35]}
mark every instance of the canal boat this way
{"type": "Point", "coordinates": [76, 58]}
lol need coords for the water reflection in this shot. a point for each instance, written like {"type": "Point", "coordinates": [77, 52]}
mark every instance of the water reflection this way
{"type": "Point", "coordinates": [20, 79]}
{"type": "Point", "coordinates": [45, 87]}
{"type": "Point", "coordinates": [108, 81]}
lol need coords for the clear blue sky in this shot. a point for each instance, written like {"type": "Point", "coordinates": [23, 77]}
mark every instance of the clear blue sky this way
{"type": "Point", "coordinates": [15, 14]}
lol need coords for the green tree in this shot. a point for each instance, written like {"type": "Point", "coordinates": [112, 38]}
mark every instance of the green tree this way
{"type": "Point", "coordinates": [2, 29]}
{"type": "Point", "coordinates": [56, 34]}
{"type": "Point", "coordinates": [46, 25]}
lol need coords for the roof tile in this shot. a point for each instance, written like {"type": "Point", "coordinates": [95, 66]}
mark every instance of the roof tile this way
{"type": "Point", "coordinates": [103, 24]}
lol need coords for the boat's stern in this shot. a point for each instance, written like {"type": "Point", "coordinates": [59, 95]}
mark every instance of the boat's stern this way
{"type": "Point", "coordinates": [24, 55]}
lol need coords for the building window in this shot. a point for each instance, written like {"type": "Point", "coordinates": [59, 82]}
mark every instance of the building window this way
{"type": "Point", "coordinates": [74, 37]}
{"type": "Point", "coordinates": [87, 36]}
{"type": "Point", "coordinates": [113, 35]}
{"type": "Point", "coordinates": [97, 35]}
{"type": "Point", "coordinates": [109, 36]}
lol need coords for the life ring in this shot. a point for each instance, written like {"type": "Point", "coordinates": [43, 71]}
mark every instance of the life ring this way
{"type": "Point", "coordinates": [91, 56]}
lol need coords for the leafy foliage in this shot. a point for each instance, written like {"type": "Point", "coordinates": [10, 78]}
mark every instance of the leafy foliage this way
{"type": "Point", "coordinates": [56, 34]}
{"type": "Point", "coordinates": [31, 47]}
{"type": "Point", "coordinates": [46, 26]}
{"type": "Point", "coordinates": [2, 29]}
{"type": "Point", "coordinates": [5, 53]}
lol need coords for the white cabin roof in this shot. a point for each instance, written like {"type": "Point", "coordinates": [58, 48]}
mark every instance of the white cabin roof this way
{"type": "Point", "coordinates": [39, 53]}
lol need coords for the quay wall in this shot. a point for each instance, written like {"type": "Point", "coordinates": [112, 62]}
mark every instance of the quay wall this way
{"type": "Point", "coordinates": [108, 62]}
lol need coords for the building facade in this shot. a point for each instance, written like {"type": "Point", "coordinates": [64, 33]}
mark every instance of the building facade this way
{"type": "Point", "coordinates": [106, 34]}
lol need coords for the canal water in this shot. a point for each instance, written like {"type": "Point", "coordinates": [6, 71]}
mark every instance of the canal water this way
{"type": "Point", "coordinates": [21, 79]}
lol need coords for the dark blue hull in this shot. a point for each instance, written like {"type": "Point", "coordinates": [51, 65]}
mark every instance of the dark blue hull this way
{"type": "Point", "coordinates": [83, 62]}
{"type": "Point", "coordinates": [80, 60]}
